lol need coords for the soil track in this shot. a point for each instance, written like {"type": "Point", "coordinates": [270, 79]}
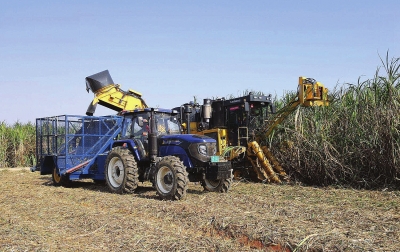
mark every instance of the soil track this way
{"type": "Point", "coordinates": [36, 216]}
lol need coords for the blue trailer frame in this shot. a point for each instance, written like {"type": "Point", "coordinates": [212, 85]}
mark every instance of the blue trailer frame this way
{"type": "Point", "coordinates": [75, 145]}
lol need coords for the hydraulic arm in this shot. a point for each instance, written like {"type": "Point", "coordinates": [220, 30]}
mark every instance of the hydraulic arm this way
{"type": "Point", "coordinates": [310, 93]}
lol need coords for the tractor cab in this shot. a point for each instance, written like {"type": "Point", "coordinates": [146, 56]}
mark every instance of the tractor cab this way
{"type": "Point", "coordinates": [139, 124]}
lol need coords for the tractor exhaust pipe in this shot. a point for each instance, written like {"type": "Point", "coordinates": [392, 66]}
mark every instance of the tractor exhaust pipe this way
{"type": "Point", "coordinates": [153, 146]}
{"type": "Point", "coordinates": [188, 111]}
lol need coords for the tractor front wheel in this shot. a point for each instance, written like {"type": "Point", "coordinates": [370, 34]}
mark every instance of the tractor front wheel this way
{"type": "Point", "coordinates": [219, 185]}
{"type": "Point", "coordinates": [171, 178]}
{"type": "Point", "coordinates": [121, 171]}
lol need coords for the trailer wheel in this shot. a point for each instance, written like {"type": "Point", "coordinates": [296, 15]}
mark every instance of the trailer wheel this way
{"type": "Point", "coordinates": [121, 171]}
{"type": "Point", "coordinates": [171, 179]}
{"type": "Point", "coordinates": [60, 180]}
{"type": "Point", "coordinates": [219, 185]}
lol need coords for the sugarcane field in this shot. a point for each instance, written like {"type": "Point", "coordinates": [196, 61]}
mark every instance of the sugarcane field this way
{"type": "Point", "coordinates": [200, 126]}
{"type": "Point", "coordinates": [340, 191]}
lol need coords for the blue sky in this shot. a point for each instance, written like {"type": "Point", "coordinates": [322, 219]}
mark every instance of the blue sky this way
{"type": "Point", "coordinates": [172, 50]}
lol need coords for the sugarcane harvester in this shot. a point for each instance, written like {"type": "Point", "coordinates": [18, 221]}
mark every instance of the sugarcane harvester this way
{"type": "Point", "coordinates": [241, 124]}
{"type": "Point", "coordinates": [143, 144]}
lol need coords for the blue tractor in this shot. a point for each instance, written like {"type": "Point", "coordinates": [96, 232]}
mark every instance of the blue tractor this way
{"type": "Point", "coordinates": [135, 146]}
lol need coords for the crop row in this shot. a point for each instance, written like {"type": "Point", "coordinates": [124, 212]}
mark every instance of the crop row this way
{"type": "Point", "coordinates": [17, 144]}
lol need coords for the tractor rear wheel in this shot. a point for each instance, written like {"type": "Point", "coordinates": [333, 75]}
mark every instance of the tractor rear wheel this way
{"type": "Point", "coordinates": [121, 171]}
{"type": "Point", "coordinates": [219, 185]}
{"type": "Point", "coordinates": [171, 178]}
{"type": "Point", "coordinates": [60, 180]}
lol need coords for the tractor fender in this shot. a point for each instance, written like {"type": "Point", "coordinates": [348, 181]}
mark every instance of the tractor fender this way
{"type": "Point", "coordinates": [135, 146]}
{"type": "Point", "coordinates": [177, 151]}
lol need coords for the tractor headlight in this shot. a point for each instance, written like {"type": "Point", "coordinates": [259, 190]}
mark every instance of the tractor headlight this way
{"type": "Point", "coordinates": [202, 149]}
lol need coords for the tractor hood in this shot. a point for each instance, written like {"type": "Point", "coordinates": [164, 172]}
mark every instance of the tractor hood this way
{"type": "Point", "coordinates": [97, 81]}
{"type": "Point", "coordinates": [199, 148]}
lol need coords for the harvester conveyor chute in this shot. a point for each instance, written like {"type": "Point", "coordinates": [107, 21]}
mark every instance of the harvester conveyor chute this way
{"type": "Point", "coordinates": [110, 95]}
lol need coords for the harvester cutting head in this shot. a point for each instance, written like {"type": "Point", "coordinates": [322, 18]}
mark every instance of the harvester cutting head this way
{"type": "Point", "coordinates": [312, 93]}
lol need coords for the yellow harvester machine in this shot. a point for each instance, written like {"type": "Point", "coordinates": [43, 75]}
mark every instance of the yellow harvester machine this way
{"type": "Point", "coordinates": [239, 125]}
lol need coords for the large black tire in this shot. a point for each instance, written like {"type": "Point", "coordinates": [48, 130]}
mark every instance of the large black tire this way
{"type": "Point", "coordinates": [171, 179]}
{"type": "Point", "coordinates": [121, 171]}
{"type": "Point", "coordinates": [60, 180]}
{"type": "Point", "coordinates": [219, 185]}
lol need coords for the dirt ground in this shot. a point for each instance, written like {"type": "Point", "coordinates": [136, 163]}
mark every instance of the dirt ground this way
{"type": "Point", "coordinates": [36, 216]}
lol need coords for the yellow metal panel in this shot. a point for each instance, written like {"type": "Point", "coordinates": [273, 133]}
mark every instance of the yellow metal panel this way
{"type": "Point", "coordinates": [114, 98]}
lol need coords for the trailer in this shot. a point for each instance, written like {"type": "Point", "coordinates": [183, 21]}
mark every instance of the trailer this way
{"type": "Point", "coordinates": [73, 147]}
